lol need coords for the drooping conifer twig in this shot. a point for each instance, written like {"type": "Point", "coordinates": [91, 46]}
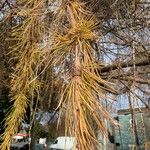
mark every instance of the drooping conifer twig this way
{"type": "Point", "coordinates": [84, 90]}
{"type": "Point", "coordinates": [24, 84]}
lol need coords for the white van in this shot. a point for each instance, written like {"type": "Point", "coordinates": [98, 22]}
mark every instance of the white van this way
{"type": "Point", "coordinates": [64, 143]}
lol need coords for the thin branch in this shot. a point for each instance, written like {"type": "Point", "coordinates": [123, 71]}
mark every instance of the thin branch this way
{"type": "Point", "coordinates": [135, 95]}
{"type": "Point", "coordinates": [8, 3]}
{"type": "Point", "coordinates": [3, 4]}
{"type": "Point", "coordinates": [141, 81]}
{"type": "Point", "coordinates": [124, 65]}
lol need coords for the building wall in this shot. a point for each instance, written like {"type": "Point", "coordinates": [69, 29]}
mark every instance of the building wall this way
{"type": "Point", "coordinates": [124, 136]}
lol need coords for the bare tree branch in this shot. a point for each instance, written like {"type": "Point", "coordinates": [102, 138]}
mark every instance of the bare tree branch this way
{"type": "Point", "coordinates": [124, 65]}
